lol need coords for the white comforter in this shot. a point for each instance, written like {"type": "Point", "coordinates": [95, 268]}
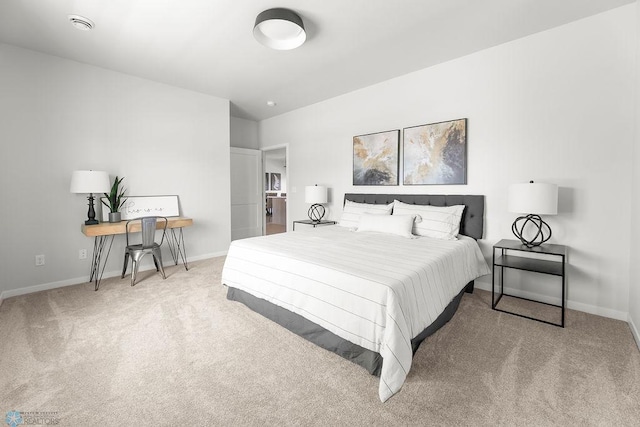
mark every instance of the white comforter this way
{"type": "Point", "coordinates": [376, 290]}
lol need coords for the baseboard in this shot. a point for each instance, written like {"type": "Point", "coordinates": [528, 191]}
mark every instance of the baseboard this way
{"type": "Point", "coordinates": [43, 287]}
{"type": "Point", "coordinates": [599, 311]}
{"type": "Point", "coordinates": [84, 279]}
{"type": "Point", "coordinates": [573, 305]}
{"type": "Point", "coordinates": [206, 256]}
{"type": "Point", "coordinates": [634, 331]}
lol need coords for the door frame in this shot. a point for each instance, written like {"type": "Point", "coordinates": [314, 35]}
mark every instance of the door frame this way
{"type": "Point", "coordinates": [265, 151]}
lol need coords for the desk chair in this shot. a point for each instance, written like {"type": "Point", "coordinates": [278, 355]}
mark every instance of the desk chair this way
{"type": "Point", "coordinates": [148, 245]}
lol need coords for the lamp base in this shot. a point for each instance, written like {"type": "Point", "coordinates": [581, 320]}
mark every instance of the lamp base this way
{"type": "Point", "coordinates": [316, 212]}
{"type": "Point", "coordinates": [540, 230]}
{"type": "Point", "coordinates": [91, 213]}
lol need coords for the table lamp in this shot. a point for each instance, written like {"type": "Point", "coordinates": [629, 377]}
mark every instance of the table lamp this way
{"type": "Point", "coordinates": [533, 199]}
{"type": "Point", "coordinates": [90, 182]}
{"type": "Point", "coordinates": [316, 195]}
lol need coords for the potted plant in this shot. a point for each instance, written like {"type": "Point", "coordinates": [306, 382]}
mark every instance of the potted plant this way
{"type": "Point", "coordinates": [116, 200]}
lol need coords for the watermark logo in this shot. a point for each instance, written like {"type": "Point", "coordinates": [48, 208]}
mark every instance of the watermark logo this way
{"type": "Point", "coordinates": [14, 418]}
{"type": "Point", "coordinates": [21, 418]}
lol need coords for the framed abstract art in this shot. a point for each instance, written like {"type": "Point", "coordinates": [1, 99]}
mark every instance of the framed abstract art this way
{"type": "Point", "coordinates": [435, 153]}
{"type": "Point", "coordinates": [375, 158]}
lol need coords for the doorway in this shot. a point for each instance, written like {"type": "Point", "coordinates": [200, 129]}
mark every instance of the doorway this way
{"type": "Point", "coordinates": [275, 189]}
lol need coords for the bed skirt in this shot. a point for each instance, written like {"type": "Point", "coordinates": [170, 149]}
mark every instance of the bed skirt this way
{"type": "Point", "coordinates": [313, 332]}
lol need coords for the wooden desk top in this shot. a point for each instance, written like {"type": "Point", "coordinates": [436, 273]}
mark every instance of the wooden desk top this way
{"type": "Point", "coordinates": [108, 228]}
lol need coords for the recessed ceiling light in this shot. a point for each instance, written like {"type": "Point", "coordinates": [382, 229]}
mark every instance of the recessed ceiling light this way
{"type": "Point", "coordinates": [81, 23]}
{"type": "Point", "coordinates": [271, 103]}
{"type": "Point", "coordinates": [280, 29]}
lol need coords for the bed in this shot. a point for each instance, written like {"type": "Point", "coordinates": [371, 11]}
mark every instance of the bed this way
{"type": "Point", "coordinates": [370, 297]}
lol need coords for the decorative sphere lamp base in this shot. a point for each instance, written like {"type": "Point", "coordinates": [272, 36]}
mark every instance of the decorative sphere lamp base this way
{"type": "Point", "coordinates": [536, 226]}
{"type": "Point", "coordinates": [316, 212]}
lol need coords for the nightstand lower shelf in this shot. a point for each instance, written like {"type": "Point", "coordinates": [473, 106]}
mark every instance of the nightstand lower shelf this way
{"type": "Point", "coordinates": [496, 308]}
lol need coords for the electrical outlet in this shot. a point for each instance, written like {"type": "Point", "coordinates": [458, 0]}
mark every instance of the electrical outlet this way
{"type": "Point", "coordinates": [82, 254]}
{"type": "Point", "coordinates": [39, 260]}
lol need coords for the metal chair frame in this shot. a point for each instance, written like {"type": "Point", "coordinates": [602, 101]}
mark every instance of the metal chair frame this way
{"type": "Point", "coordinates": [136, 252]}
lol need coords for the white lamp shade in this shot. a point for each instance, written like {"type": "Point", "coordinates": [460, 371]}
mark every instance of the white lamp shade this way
{"type": "Point", "coordinates": [90, 182]}
{"type": "Point", "coordinates": [315, 194]}
{"type": "Point", "coordinates": [280, 29]}
{"type": "Point", "coordinates": [533, 198]}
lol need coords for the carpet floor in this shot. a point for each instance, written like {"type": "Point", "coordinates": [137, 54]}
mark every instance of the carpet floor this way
{"type": "Point", "coordinates": [176, 352]}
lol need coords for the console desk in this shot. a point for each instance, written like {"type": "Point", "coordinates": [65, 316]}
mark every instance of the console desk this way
{"type": "Point", "coordinates": [104, 233]}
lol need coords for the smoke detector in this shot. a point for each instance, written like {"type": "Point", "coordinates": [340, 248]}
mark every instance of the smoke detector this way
{"type": "Point", "coordinates": [81, 23]}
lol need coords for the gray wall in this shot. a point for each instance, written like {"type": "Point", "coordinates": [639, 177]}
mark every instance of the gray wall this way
{"type": "Point", "coordinates": [557, 106]}
{"type": "Point", "coordinates": [57, 116]}
{"type": "Point", "coordinates": [244, 133]}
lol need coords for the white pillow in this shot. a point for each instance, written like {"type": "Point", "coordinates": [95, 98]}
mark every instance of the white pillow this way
{"type": "Point", "coordinates": [390, 224]}
{"type": "Point", "coordinates": [441, 222]}
{"type": "Point", "coordinates": [352, 211]}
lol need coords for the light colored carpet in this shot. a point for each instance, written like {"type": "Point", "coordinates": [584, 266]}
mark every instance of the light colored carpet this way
{"type": "Point", "coordinates": [176, 352]}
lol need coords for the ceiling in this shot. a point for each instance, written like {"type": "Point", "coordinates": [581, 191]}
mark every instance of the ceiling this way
{"type": "Point", "coordinates": [208, 45]}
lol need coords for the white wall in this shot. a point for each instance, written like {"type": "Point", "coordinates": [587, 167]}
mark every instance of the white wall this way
{"type": "Point", "coordinates": [553, 107]}
{"type": "Point", "coordinates": [244, 133]}
{"type": "Point", "coordinates": [57, 116]}
{"type": "Point", "coordinates": [634, 283]}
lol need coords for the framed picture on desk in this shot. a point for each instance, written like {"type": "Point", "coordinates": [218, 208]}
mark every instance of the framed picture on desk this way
{"type": "Point", "coordinates": [139, 206]}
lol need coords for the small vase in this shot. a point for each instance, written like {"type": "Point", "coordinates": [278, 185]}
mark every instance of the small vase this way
{"type": "Point", "coordinates": [114, 217]}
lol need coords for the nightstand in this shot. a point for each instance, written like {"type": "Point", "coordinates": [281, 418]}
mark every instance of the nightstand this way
{"type": "Point", "coordinates": [312, 223]}
{"type": "Point", "coordinates": [510, 257]}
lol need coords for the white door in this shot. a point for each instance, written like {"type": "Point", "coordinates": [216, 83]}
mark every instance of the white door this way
{"type": "Point", "coordinates": [246, 193]}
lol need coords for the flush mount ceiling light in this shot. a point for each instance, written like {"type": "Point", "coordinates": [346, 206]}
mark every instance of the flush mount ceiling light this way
{"type": "Point", "coordinates": [280, 29]}
{"type": "Point", "coordinates": [81, 23]}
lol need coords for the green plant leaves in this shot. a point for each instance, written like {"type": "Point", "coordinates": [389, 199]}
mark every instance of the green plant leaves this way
{"type": "Point", "coordinates": [116, 199]}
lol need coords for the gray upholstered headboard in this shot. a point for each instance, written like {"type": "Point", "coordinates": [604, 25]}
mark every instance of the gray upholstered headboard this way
{"type": "Point", "coordinates": [472, 219]}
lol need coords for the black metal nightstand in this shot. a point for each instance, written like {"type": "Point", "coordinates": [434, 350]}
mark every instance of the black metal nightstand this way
{"type": "Point", "coordinates": [536, 265]}
{"type": "Point", "coordinates": [312, 223]}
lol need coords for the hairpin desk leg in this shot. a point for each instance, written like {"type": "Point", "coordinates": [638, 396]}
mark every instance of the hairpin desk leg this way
{"type": "Point", "coordinates": [98, 248]}
{"type": "Point", "coordinates": [176, 247]}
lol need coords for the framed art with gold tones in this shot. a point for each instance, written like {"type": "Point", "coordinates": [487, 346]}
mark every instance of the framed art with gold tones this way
{"type": "Point", "coordinates": [435, 153]}
{"type": "Point", "coordinates": [375, 158]}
